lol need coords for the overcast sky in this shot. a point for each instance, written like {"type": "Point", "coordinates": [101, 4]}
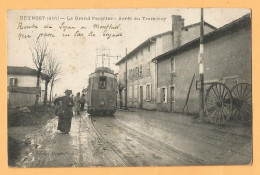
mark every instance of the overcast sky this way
{"type": "Point", "coordinates": [78, 53]}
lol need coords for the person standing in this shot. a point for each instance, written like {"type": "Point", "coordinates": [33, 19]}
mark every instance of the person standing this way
{"type": "Point", "coordinates": [82, 102]}
{"type": "Point", "coordinates": [64, 111]}
{"type": "Point", "coordinates": [77, 104]}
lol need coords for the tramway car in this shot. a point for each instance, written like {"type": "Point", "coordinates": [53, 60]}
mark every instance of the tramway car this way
{"type": "Point", "coordinates": [101, 94]}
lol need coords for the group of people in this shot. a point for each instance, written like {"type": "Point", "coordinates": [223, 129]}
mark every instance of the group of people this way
{"type": "Point", "coordinates": [79, 102]}
{"type": "Point", "coordinates": [67, 107]}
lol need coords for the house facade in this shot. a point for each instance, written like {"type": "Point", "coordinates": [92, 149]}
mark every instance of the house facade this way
{"type": "Point", "coordinates": [227, 53]}
{"type": "Point", "coordinates": [22, 86]}
{"type": "Point", "coordinates": [142, 72]}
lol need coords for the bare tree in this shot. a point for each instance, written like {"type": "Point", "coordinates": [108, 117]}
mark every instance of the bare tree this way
{"type": "Point", "coordinates": [120, 88]}
{"type": "Point", "coordinates": [52, 69]}
{"type": "Point", "coordinates": [54, 80]}
{"type": "Point", "coordinates": [39, 50]}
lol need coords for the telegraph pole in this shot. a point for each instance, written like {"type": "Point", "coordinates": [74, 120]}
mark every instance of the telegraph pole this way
{"type": "Point", "coordinates": [126, 80]}
{"type": "Point", "coordinates": [201, 67]}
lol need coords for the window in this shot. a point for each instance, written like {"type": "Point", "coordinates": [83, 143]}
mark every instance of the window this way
{"type": "Point", "coordinates": [149, 48]}
{"type": "Point", "coordinates": [140, 71]}
{"type": "Point", "coordinates": [172, 64]}
{"type": "Point", "coordinates": [136, 56]}
{"type": "Point", "coordinates": [136, 73]}
{"type": "Point", "coordinates": [112, 83]}
{"type": "Point", "coordinates": [102, 82]}
{"type": "Point", "coordinates": [135, 92]}
{"type": "Point", "coordinates": [142, 53]}
{"type": "Point", "coordinates": [164, 95]}
{"type": "Point", "coordinates": [148, 68]}
{"type": "Point", "coordinates": [130, 92]}
{"type": "Point", "coordinates": [148, 92]}
{"type": "Point", "coordinates": [13, 82]}
{"type": "Point", "coordinates": [130, 74]}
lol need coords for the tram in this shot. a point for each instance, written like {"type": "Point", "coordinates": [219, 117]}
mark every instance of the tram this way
{"type": "Point", "coordinates": [101, 94]}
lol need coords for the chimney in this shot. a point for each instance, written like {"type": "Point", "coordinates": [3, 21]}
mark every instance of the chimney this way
{"type": "Point", "coordinates": [177, 25]}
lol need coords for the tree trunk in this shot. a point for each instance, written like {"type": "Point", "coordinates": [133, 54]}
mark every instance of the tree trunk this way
{"type": "Point", "coordinates": [46, 92]}
{"type": "Point", "coordinates": [51, 93]}
{"type": "Point", "coordinates": [38, 86]}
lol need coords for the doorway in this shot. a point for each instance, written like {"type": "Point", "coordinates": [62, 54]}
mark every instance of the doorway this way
{"type": "Point", "coordinates": [141, 96]}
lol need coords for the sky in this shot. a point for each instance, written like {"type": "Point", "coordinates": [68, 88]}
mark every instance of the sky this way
{"type": "Point", "coordinates": [76, 37]}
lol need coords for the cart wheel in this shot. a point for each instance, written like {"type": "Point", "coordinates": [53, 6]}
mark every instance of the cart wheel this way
{"type": "Point", "coordinates": [242, 100]}
{"type": "Point", "coordinates": [218, 103]}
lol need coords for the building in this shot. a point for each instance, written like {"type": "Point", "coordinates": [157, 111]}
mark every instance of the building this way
{"type": "Point", "coordinates": [22, 86]}
{"type": "Point", "coordinates": [227, 53]}
{"type": "Point", "coordinates": [142, 73]}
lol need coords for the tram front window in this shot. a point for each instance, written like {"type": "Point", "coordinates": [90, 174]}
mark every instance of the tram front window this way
{"type": "Point", "coordinates": [102, 82]}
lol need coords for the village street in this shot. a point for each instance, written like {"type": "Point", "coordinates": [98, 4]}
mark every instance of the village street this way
{"type": "Point", "coordinates": [137, 138]}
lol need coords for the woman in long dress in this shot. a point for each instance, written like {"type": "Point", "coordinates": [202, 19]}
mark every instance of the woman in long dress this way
{"type": "Point", "coordinates": [65, 112]}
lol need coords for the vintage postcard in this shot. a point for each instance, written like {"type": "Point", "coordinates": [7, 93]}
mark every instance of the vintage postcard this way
{"type": "Point", "coordinates": [129, 87]}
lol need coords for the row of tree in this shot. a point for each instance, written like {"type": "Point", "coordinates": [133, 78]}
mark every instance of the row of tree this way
{"type": "Point", "coordinates": [45, 62]}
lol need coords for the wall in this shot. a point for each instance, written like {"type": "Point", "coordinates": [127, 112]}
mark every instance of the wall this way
{"type": "Point", "coordinates": [21, 99]}
{"type": "Point", "coordinates": [228, 55]}
{"type": "Point", "coordinates": [23, 80]}
{"type": "Point", "coordinates": [161, 45]}
{"type": "Point", "coordinates": [28, 81]}
{"type": "Point", "coordinates": [134, 100]}
{"type": "Point", "coordinates": [193, 32]}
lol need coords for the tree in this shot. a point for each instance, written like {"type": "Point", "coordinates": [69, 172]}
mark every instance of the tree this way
{"type": "Point", "coordinates": [52, 70]}
{"type": "Point", "coordinates": [54, 80]}
{"type": "Point", "coordinates": [40, 51]}
{"type": "Point", "coordinates": [120, 88]}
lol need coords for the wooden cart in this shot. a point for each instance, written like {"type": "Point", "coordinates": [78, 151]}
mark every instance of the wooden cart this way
{"type": "Point", "coordinates": [222, 103]}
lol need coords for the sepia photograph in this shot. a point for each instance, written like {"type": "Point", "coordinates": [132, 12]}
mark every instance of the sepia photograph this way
{"type": "Point", "coordinates": [128, 87]}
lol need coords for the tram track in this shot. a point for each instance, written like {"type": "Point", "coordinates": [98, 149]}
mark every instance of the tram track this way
{"type": "Point", "coordinates": [101, 138]}
{"type": "Point", "coordinates": [174, 156]}
{"type": "Point", "coordinates": [206, 136]}
{"type": "Point", "coordinates": [187, 125]}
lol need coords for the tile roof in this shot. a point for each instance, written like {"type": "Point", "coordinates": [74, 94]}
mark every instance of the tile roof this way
{"type": "Point", "coordinates": [16, 70]}
{"type": "Point", "coordinates": [226, 29]}
{"type": "Point", "coordinates": [158, 35]}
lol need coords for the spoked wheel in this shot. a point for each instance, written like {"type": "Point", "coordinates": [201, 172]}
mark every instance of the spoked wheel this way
{"type": "Point", "coordinates": [242, 102]}
{"type": "Point", "coordinates": [218, 103]}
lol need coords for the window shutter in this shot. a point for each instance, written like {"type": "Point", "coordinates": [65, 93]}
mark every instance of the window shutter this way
{"type": "Point", "coordinates": [150, 92]}
{"type": "Point", "coordinates": [166, 95]}
{"type": "Point", "coordinates": [158, 95]}
{"type": "Point", "coordinates": [10, 82]}
{"type": "Point", "coordinates": [15, 81]}
{"type": "Point", "coordinates": [144, 91]}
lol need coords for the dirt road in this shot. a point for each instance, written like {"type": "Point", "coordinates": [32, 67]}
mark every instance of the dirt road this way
{"type": "Point", "coordinates": [139, 138]}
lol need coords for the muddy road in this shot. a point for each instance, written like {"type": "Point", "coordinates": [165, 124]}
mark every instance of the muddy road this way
{"type": "Point", "coordinates": [137, 138]}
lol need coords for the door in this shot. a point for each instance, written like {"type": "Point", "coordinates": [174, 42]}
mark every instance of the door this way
{"type": "Point", "coordinates": [172, 89]}
{"type": "Point", "coordinates": [141, 97]}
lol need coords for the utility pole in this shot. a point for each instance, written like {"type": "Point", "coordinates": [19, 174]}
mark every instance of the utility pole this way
{"type": "Point", "coordinates": [201, 68]}
{"type": "Point", "coordinates": [125, 79]}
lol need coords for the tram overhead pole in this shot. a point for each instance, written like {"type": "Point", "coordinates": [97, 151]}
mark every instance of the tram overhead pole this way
{"type": "Point", "coordinates": [201, 66]}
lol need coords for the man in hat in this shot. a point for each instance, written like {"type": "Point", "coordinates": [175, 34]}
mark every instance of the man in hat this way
{"type": "Point", "coordinates": [65, 111]}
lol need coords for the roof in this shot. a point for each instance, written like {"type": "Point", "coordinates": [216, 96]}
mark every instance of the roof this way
{"type": "Point", "coordinates": [26, 90]}
{"type": "Point", "coordinates": [197, 24]}
{"type": "Point", "coordinates": [224, 30]}
{"type": "Point", "coordinates": [16, 70]}
{"type": "Point", "coordinates": [143, 44]}
{"type": "Point", "coordinates": [155, 36]}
